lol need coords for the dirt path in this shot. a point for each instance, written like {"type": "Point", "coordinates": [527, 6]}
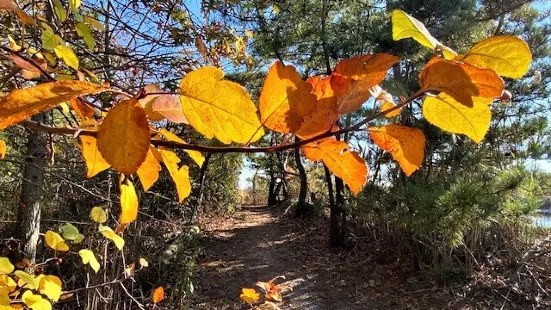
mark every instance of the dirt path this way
{"type": "Point", "coordinates": [255, 245]}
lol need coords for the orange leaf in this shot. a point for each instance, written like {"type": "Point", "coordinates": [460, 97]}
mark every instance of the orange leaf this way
{"type": "Point", "coordinates": [92, 157]}
{"type": "Point", "coordinates": [149, 171]}
{"type": "Point", "coordinates": [351, 94]}
{"type": "Point", "coordinates": [371, 69]}
{"type": "Point", "coordinates": [273, 292]}
{"type": "Point", "coordinates": [26, 65]}
{"type": "Point", "coordinates": [169, 107]}
{"type": "Point", "coordinates": [82, 109]}
{"type": "Point", "coordinates": [461, 81]}
{"type": "Point", "coordinates": [406, 144]}
{"type": "Point", "coordinates": [3, 149]}
{"type": "Point", "coordinates": [23, 103]}
{"type": "Point", "coordinates": [285, 99]}
{"type": "Point", "coordinates": [129, 201]}
{"type": "Point", "coordinates": [123, 137]}
{"type": "Point", "coordinates": [158, 295]}
{"type": "Point", "coordinates": [180, 176]}
{"type": "Point", "coordinates": [345, 164]}
{"type": "Point", "coordinates": [325, 113]}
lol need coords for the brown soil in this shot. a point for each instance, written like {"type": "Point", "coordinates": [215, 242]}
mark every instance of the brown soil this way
{"type": "Point", "coordinates": [255, 245]}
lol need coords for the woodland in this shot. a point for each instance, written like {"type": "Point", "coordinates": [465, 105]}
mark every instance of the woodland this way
{"type": "Point", "coordinates": [259, 154]}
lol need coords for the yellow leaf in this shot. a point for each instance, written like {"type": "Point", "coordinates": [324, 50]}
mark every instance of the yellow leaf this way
{"type": "Point", "coordinates": [195, 155]}
{"type": "Point", "coordinates": [285, 99]}
{"type": "Point", "coordinates": [27, 278]}
{"type": "Point", "coordinates": [249, 295]}
{"type": "Point", "coordinates": [345, 164]}
{"type": "Point", "coordinates": [51, 287]}
{"type": "Point", "coordinates": [59, 10]}
{"type": "Point", "coordinates": [447, 114]}
{"type": "Point", "coordinates": [35, 301]}
{"type": "Point", "coordinates": [507, 55]}
{"type": "Point", "coordinates": [387, 105]}
{"type": "Point", "coordinates": [108, 233]}
{"type": "Point", "coordinates": [405, 26]}
{"type": "Point", "coordinates": [149, 171]}
{"type": "Point", "coordinates": [180, 176]}
{"type": "Point", "coordinates": [123, 137]}
{"type": "Point", "coordinates": [74, 4]}
{"type": "Point", "coordinates": [98, 215]}
{"type": "Point", "coordinates": [88, 257]}
{"type": "Point", "coordinates": [84, 32]}
{"type": "Point", "coordinates": [461, 81]}
{"type": "Point", "coordinates": [406, 144]}
{"type": "Point", "coordinates": [67, 54]}
{"type": "Point", "coordinates": [7, 285]}
{"type": "Point", "coordinates": [158, 295]}
{"type": "Point", "coordinates": [55, 241]}
{"type": "Point", "coordinates": [129, 201]}
{"type": "Point", "coordinates": [94, 23]}
{"type": "Point", "coordinates": [92, 157]}
{"type": "Point", "coordinates": [21, 104]}
{"type": "Point", "coordinates": [5, 265]}
{"type": "Point", "coordinates": [13, 45]}
{"type": "Point", "coordinates": [3, 149]}
{"type": "Point", "coordinates": [219, 108]}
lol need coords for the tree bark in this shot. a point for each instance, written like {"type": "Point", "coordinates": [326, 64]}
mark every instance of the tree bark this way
{"type": "Point", "coordinates": [202, 177]}
{"type": "Point", "coordinates": [28, 216]}
{"type": "Point", "coordinates": [302, 207]}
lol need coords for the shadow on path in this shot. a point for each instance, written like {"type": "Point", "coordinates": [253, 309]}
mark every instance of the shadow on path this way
{"type": "Point", "coordinates": [254, 245]}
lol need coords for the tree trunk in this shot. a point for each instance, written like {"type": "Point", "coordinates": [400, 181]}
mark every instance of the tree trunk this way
{"type": "Point", "coordinates": [302, 207]}
{"type": "Point", "coordinates": [272, 199]}
{"type": "Point", "coordinates": [28, 216]}
{"type": "Point", "coordinates": [202, 177]}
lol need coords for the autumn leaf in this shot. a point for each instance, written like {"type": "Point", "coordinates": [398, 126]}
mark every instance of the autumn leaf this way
{"type": "Point", "coordinates": [55, 241]}
{"type": "Point", "coordinates": [50, 286]}
{"type": "Point", "coordinates": [180, 176]}
{"type": "Point", "coordinates": [129, 201]}
{"type": "Point", "coordinates": [92, 157]}
{"type": "Point", "coordinates": [7, 285]}
{"type": "Point", "coordinates": [108, 233]}
{"type": "Point", "coordinates": [249, 295]}
{"type": "Point", "coordinates": [461, 81]}
{"type": "Point", "coordinates": [98, 215]}
{"type": "Point", "coordinates": [405, 26]}
{"type": "Point", "coordinates": [7, 5]}
{"type": "Point", "coordinates": [371, 69]}
{"type": "Point", "coordinates": [285, 99]}
{"type": "Point", "coordinates": [195, 155]}
{"type": "Point", "coordinates": [272, 291]}
{"type": "Point", "coordinates": [88, 257]}
{"type": "Point", "coordinates": [28, 279]}
{"type": "Point", "coordinates": [507, 55]}
{"type": "Point", "coordinates": [447, 114]}
{"type": "Point", "coordinates": [6, 266]}
{"type": "Point", "coordinates": [149, 171]}
{"type": "Point", "coordinates": [164, 106]}
{"type": "Point", "coordinates": [82, 109]}
{"type": "Point", "coordinates": [24, 17]}
{"type": "Point", "coordinates": [35, 301]}
{"type": "Point", "coordinates": [84, 32]}
{"type": "Point", "coordinates": [70, 232]}
{"type": "Point", "coordinates": [3, 149]}
{"type": "Point", "coordinates": [30, 70]}
{"type": "Point", "coordinates": [123, 137]}
{"type": "Point", "coordinates": [67, 54]}
{"type": "Point", "coordinates": [158, 295]}
{"type": "Point", "coordinates": [326, 111]}
{"type": "Point", "coordinates": [386, 100]}
{"type": "Point", "coordinates": [345, 164]}
{"type": "Point", "coordinates": [406, 144]}
{"type": "Point", "coordinates": [219, 108]}
{"type": "Point", "coordinates": [21, 104]}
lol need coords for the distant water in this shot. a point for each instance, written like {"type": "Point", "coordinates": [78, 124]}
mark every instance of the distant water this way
{"type": "Point", "coordinates": [542, 219]}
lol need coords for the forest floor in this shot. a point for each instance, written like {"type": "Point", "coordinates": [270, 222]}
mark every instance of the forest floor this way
{"type": "Point", "coordinates": [256, 245]}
